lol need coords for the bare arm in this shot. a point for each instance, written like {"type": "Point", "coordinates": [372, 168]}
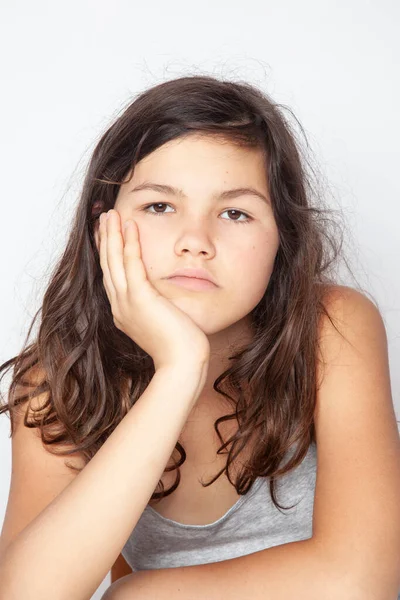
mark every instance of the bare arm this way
{"type": "Point", "coordinates": [299, 569]}
{"type": "Point", "coordinates": [83, 530]}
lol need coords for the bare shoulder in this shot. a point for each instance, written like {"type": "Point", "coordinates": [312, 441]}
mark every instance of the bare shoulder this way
{"type": "Point", "coordinates": [34, 377]}
{"type": "Point", "coordinates": [352, 340]}
{"type": "Point", "coordinates": [345, 298]}
{"type": "Point", "coordinates": [352, 316]}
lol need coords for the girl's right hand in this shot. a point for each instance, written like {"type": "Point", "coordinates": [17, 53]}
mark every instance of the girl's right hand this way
{"type": "Point", "coordinates": [160, 328]}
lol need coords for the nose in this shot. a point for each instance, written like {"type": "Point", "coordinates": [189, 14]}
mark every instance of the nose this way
{"type": "Point", "coordinates": [195, 239]}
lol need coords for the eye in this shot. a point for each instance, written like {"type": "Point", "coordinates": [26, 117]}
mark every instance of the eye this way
{"type": "Point", "coordinates": [230, 210]}
{"type": "Point", "coordinates": [146, 208]}
{"type": "Point", "coordinates": [247, 218]}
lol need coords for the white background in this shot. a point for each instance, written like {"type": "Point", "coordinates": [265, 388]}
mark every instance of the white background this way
{"type": "Point", "coordinates": [68, 68]}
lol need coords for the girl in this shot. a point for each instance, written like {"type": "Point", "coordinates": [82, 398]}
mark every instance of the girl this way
{"type": "Point", "coordinates": [196, 356]}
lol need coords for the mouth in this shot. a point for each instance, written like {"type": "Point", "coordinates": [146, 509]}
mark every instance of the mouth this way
{"type": "Point", "coordinates": [192, 283]}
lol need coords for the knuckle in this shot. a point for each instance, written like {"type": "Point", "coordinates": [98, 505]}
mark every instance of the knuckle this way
{"type": "Point", "coordinates": [117, 323]}
{"type": "Point", "coordinates": [115, 312]}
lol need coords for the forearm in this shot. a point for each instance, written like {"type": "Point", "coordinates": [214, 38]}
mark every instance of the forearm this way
{"type": "Point", "coordinates": [68, 549]}
{"type": "Point", "coordinates": [294, 570]}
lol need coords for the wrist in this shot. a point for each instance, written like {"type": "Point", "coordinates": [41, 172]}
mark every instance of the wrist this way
{"type": "Point", "coordinates": [187, 374]}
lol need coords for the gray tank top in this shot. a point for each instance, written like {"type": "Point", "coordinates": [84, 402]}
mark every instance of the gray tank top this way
{"type": "Point", "coordinates": [250, 525]}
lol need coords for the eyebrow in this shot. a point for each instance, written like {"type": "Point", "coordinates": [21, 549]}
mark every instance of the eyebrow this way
{"type": "Point", "coordinates": [225, 195]}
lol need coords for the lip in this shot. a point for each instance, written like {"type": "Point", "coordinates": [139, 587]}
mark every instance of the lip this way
{"type": "Point", "coordinates": [193, 283]}
{"type": "Point", "coordinates": [192, 273]}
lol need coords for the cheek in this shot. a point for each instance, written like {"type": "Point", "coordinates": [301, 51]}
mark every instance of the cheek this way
{"type": "Point", "coordinates": [153, 264]}
{"type": "Point", "coordinates": [152, 254]}
{"type": "Point", "coordinates": [253, 266]}
{"type": "Point", "coordinates": [259, 271]}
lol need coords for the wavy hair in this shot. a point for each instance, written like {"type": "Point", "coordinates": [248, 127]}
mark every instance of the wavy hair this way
{"type": "Point", "coordinates": [91, 373]}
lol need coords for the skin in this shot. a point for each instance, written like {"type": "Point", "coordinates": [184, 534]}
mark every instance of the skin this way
{"type": "Point", "coordinates": [200, 231]}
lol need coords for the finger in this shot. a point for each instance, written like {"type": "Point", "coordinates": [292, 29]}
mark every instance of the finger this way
{"type": "Point", "coordinates": [115, 251]}
{"type": "Point", "coordinates": [136, 276]}
{"type": "Point", "coordinates": [108, 285]}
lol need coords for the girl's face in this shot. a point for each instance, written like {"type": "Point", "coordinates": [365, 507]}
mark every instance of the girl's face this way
{"type": "Point", "coordinates": [235, 239]}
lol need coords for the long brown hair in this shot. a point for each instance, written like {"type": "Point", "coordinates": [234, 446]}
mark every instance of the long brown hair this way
{"type": "Point", "coordinates": [94, 373]}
